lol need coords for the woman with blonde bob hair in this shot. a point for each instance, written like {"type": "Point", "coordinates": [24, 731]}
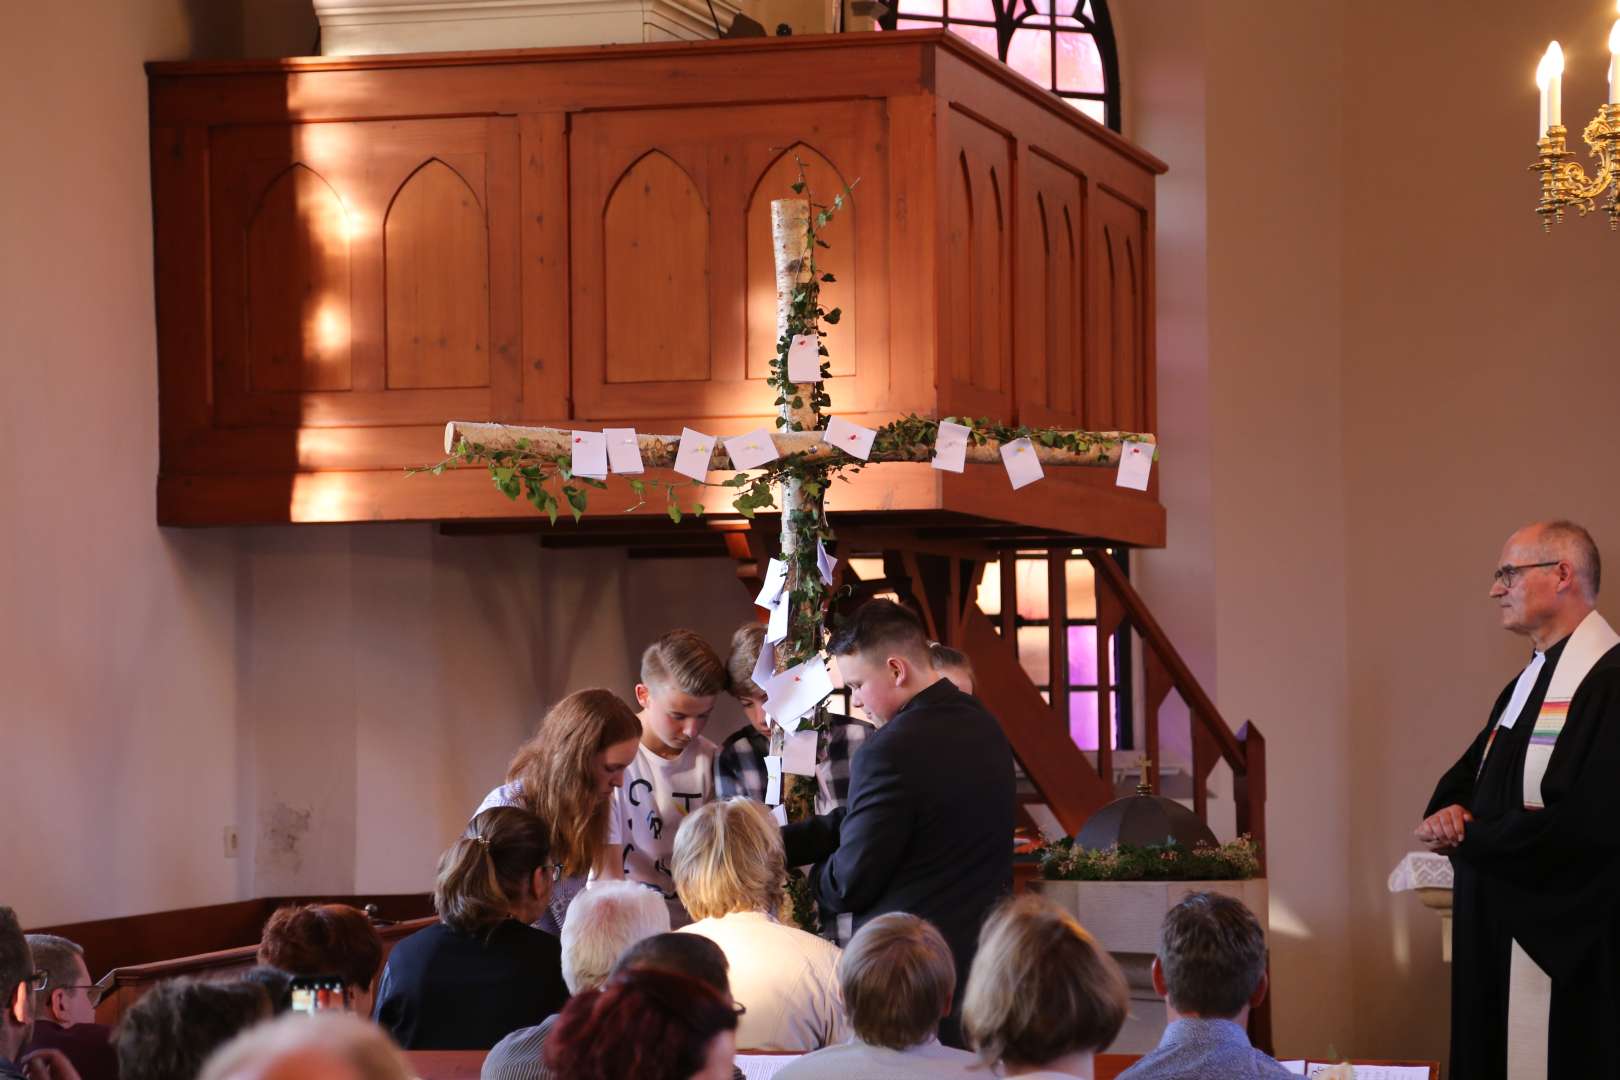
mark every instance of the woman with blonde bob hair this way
{"type": "Point", "coordinates": [729, 871]}
{"type": "Point", "coordinates": [1043, 997]}
{"type": "Point", "coordinates": [566, 775]}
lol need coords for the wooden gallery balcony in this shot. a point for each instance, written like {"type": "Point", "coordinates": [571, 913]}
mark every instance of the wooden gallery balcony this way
{"type": "Point", "coordinates": [352, 251]}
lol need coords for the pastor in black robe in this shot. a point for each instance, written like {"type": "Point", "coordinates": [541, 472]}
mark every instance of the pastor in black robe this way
{"type": "Point", "coordinates": [1548, 878]}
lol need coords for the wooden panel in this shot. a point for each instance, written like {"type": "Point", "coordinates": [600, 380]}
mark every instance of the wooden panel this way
{"type": "Point", "coordinates": [436, 262]}
{"type": "Point", "coordinates": [1116, 395]}
{"type": "Point", "coordinates": [729, 162]}
{"type": "Point", "coordinates": [823, 181]}
{"type": "Point", "coordinates": [655, 271]}
{"type": "Point", "coordinates": [976, 351]}
{"type": "Point", "coordinates": [1050, 333]}
{"type": "Point", "coordinates": [297, 286]}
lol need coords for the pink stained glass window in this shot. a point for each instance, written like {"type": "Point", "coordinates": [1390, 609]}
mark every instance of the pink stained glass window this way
{"type": "Point", "coordinates": [1083, 720]}
{"type": "Point", "coordinates": [1079, 64]}
{"type": "Point", "coordinates": [1066, 46]}
{"type": "Point", "coordinates": [1030, 54]}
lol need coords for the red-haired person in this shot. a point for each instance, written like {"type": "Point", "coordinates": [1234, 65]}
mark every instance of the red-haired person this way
{"type": "Point", "coordinates": [326, 940]}
{"type": "Point", "coordinates": [646, 1023]}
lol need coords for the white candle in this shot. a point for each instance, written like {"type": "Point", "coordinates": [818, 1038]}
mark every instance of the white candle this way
{"type": "Point", "coordinates": [1544, 83]}
{"type": "Point", "coordinates": [1614, 64]}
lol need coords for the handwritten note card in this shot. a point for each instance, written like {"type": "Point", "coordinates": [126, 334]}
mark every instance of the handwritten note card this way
{"type": "Point", "coordinates": [799, 755]}
{"type": "Point", "coordinates": [692, 454]}
{"type": "Point", "coordinates": [1135, 465]}
{"type": "Point", "coordinates": [852, 439]}
{"type": "Point", "coordinates": [775, 578]}
{"type": "Point", "coordinates": [624, 455]}
{"type": "Point", "coordinates": [777, 628]}
{"type": "Point", "coordinates": [825, 563]}
{"type": "Point", "coordinates": [796, 691]}
{"type": "Point", "coordinates": [1023, 467]}
{"type": "Point", "coordinates": [752, 450]}
{"type": "Point", "coordinates": [804, 359]}
{"type": "Point", "coordinates": [765, 666]}
{"type": "Point", "coordinates": [590, 454]}
{"type": "Point", "coordinates": [950, 447]}
{"type": "Point", "coordinates": [773, 782]}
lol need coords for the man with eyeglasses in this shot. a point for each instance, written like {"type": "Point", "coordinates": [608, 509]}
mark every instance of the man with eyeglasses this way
{"type": "Point", "coordinates": [65, 1011]}
{"type": "Point", "coordinates": [1529, 816]}
{"type": "Point", "coordinates": [20, 980]}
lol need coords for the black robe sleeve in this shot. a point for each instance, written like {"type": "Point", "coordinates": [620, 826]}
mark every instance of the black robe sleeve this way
{"type": "Point", "coordinates": [875, 831]}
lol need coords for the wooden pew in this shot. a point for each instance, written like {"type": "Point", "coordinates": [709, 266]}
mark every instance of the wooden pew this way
{"type": "Point", "coordinates": [446, 1064]}
{"type": "Point", "coordinates": [129, 983]}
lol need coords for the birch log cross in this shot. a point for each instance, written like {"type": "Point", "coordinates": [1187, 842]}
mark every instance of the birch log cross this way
{"type": "Point", "coordinates": [524, 460]}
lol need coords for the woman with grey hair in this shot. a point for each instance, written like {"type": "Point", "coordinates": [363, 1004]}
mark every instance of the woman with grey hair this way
{"type": "Point", "coordinates": [326, 1046]}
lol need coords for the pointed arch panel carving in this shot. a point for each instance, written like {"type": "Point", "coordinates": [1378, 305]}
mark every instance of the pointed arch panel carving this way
{"type": "Point", "coordinates": [436, 265]}
{"type": "Point", "coordinates": [824, 180]}
{"type": "Point", "coordinates": [976, 355]}
{"type": "Point", "coordinates": [1049, 336]}
{"type": "Point", "coordinates": [297, 282]}
{"type": "Point", "coordinates": [655, 260]}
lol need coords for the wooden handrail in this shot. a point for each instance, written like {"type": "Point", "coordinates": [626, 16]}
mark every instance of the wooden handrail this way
{"type": "Point", "coordinates": [1181, 676]}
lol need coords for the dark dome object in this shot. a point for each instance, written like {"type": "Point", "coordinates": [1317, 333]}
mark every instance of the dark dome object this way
{"type": "Point", "coordinates": [1142, 820]}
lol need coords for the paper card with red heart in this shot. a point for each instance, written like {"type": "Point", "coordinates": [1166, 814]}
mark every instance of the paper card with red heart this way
{"type": "Point", "coordinates": [590, 454]}
{"type": "Point", "coordinates": [852, 439]}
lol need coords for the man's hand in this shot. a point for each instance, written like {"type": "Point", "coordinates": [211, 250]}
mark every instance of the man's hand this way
{"type": "Point", "coordinates": [48, 1065]}
{"type": "Point", "coordinates": [1443, 830]}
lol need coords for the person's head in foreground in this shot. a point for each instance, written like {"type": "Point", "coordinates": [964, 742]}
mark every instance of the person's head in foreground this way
{"type": "Point", "coordinates": [897, 976]}
{"type": "Point", "coordinates": [1547, 580]}
{"type": "Point", "coordinates": [953, 664]}
{"type": "Point", "coordinates": [327, 1046]}
{"type": "Point", "coordinates": [681, 675]}
{"type": "Point", "coordinates": [69, 996]}
{"type": "Point", "coordinates": [566, 773]}
{"type": "Point", "coordinates": [499, 869]}
{"type": "Point", "coordinates": [604, 921]}
{"type": "Point", "coordinates": [18, 982]}
{"type": "Point", "coordinates": [647, 1023]}
{"type": "Point", "coordinates": [883, 656]}
{"type": "Point", "coordinates": [176, 1025]}
{"type": "Point", "coordinates": [326, 940]}
{"type": "Point", "coordinates": [1212, 959]}
{"type": "Point", "coordinates": [728, 857]}
{"type": "Point", "coordinates": [745, 646]}
{"type": "Point", "coordinates": [692, 955]}
{"type": "Point", "coordinates": [1042, 995]}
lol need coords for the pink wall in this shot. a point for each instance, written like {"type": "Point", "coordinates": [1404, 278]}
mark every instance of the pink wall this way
{"type": "Point", "coordinates": [1396, 368]}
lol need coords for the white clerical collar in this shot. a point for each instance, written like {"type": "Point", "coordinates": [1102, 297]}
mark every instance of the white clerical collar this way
{"type": "Point", "coordinates": [1521, 691]}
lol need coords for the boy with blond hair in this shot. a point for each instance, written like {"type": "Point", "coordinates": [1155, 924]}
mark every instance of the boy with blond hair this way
{"type": "Point", "coordinates": [672, 773]}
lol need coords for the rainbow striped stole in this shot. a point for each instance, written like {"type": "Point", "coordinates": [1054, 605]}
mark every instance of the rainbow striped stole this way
{"type": "Point", "coordinates": [1586, 647]}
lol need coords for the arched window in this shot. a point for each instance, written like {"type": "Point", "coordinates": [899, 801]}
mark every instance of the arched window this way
{"type": "Point", "coordinates": [1065, 45]}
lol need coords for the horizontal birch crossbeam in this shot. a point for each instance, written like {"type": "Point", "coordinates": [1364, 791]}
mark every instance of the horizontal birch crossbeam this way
{"type": "Point", "coordinates": [658, 451]}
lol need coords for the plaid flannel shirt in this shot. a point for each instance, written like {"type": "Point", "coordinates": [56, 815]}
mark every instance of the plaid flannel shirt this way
{"type": "Point", "coordinates": [739, 768]}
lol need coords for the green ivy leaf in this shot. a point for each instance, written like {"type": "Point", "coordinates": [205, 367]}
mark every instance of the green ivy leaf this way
{"type": "Point", "coordinates": [675, 512]}
{"type": "Point", "coordinates": [828, 279]}
{"type": "Point", "coordinates": [798, 187]}
{"type": "Point", "coordinates": [832, 317]}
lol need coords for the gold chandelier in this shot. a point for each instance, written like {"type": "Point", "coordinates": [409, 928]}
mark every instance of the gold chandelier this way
{"type": "Point", "coordinates": [1563, 180]}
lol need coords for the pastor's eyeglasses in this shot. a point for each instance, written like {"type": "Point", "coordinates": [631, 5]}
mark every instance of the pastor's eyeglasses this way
{"type": "Point", "coordinates": [1506, 575]}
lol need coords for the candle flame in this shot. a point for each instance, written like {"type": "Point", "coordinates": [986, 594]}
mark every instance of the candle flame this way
{"type": "Point", "coordinates": [1551, 66]}
{"type": "Point", "coordinates": [1614, 36]}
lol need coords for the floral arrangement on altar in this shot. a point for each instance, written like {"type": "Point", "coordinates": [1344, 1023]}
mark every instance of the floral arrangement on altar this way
{"type": "Point", "coordinates": [1236, 860]}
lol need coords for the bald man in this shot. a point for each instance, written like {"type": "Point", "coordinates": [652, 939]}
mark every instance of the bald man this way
{"type": "Point", "coordinates": [1531, 819]}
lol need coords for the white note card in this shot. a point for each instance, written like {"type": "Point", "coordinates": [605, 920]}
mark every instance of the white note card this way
{"type": "Point", "coordinates": [779, 815]}
{"type": "Point", "coordinates": [797, 690]}
{"type": "Point", "coordinates": [590, 454]}
{"type": "Point", "coordinates": [752, 450]}
{"type": "Point", "coordinates": [804, 359]}
{"type": "Point", "coordinates": [799, 755]}
{"type": "Point", "coordinates": [692, 454]}
{"type": "Point", "coordinates": [762, 1066]}
{"type": "Point", "coordinates": [623, 453]}
{"type": "Point", "coordinates": [773, 783]}
{"type": "Point", "coordinates": [825, 563]}
{"type": "Point", "coordinates": [852, 439]}
{"type": "Point", "coordinates": [1023, 466]}
{"type": "Point", "coordinates": [1135, 465]}
{"type": "Point", "coordinates": [765, 666]}
{"type": "Point", "coordinates": [777, 628]}
{"type": "Point", "coordinates": [775, 578]}
{"type": "Point", "coordinates": [950, 447]}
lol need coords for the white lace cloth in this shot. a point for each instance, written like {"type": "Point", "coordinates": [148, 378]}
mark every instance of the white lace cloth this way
{"type": "Point", "coordinates": [1421, 870]}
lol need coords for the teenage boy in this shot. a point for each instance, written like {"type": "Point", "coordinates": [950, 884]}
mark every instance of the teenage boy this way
{"type": "Point", "coordinates": [672, 773]}
{"type": "Point", "coordinates": [953, 664]}
{"type": "Point", "coordinates": [931, 800]}
{"type": "Point", "coordinates": [740, 767]}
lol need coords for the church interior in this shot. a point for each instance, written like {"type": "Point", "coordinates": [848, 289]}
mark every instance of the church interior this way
{"type": "Point", "coordinates": [260, 253]}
